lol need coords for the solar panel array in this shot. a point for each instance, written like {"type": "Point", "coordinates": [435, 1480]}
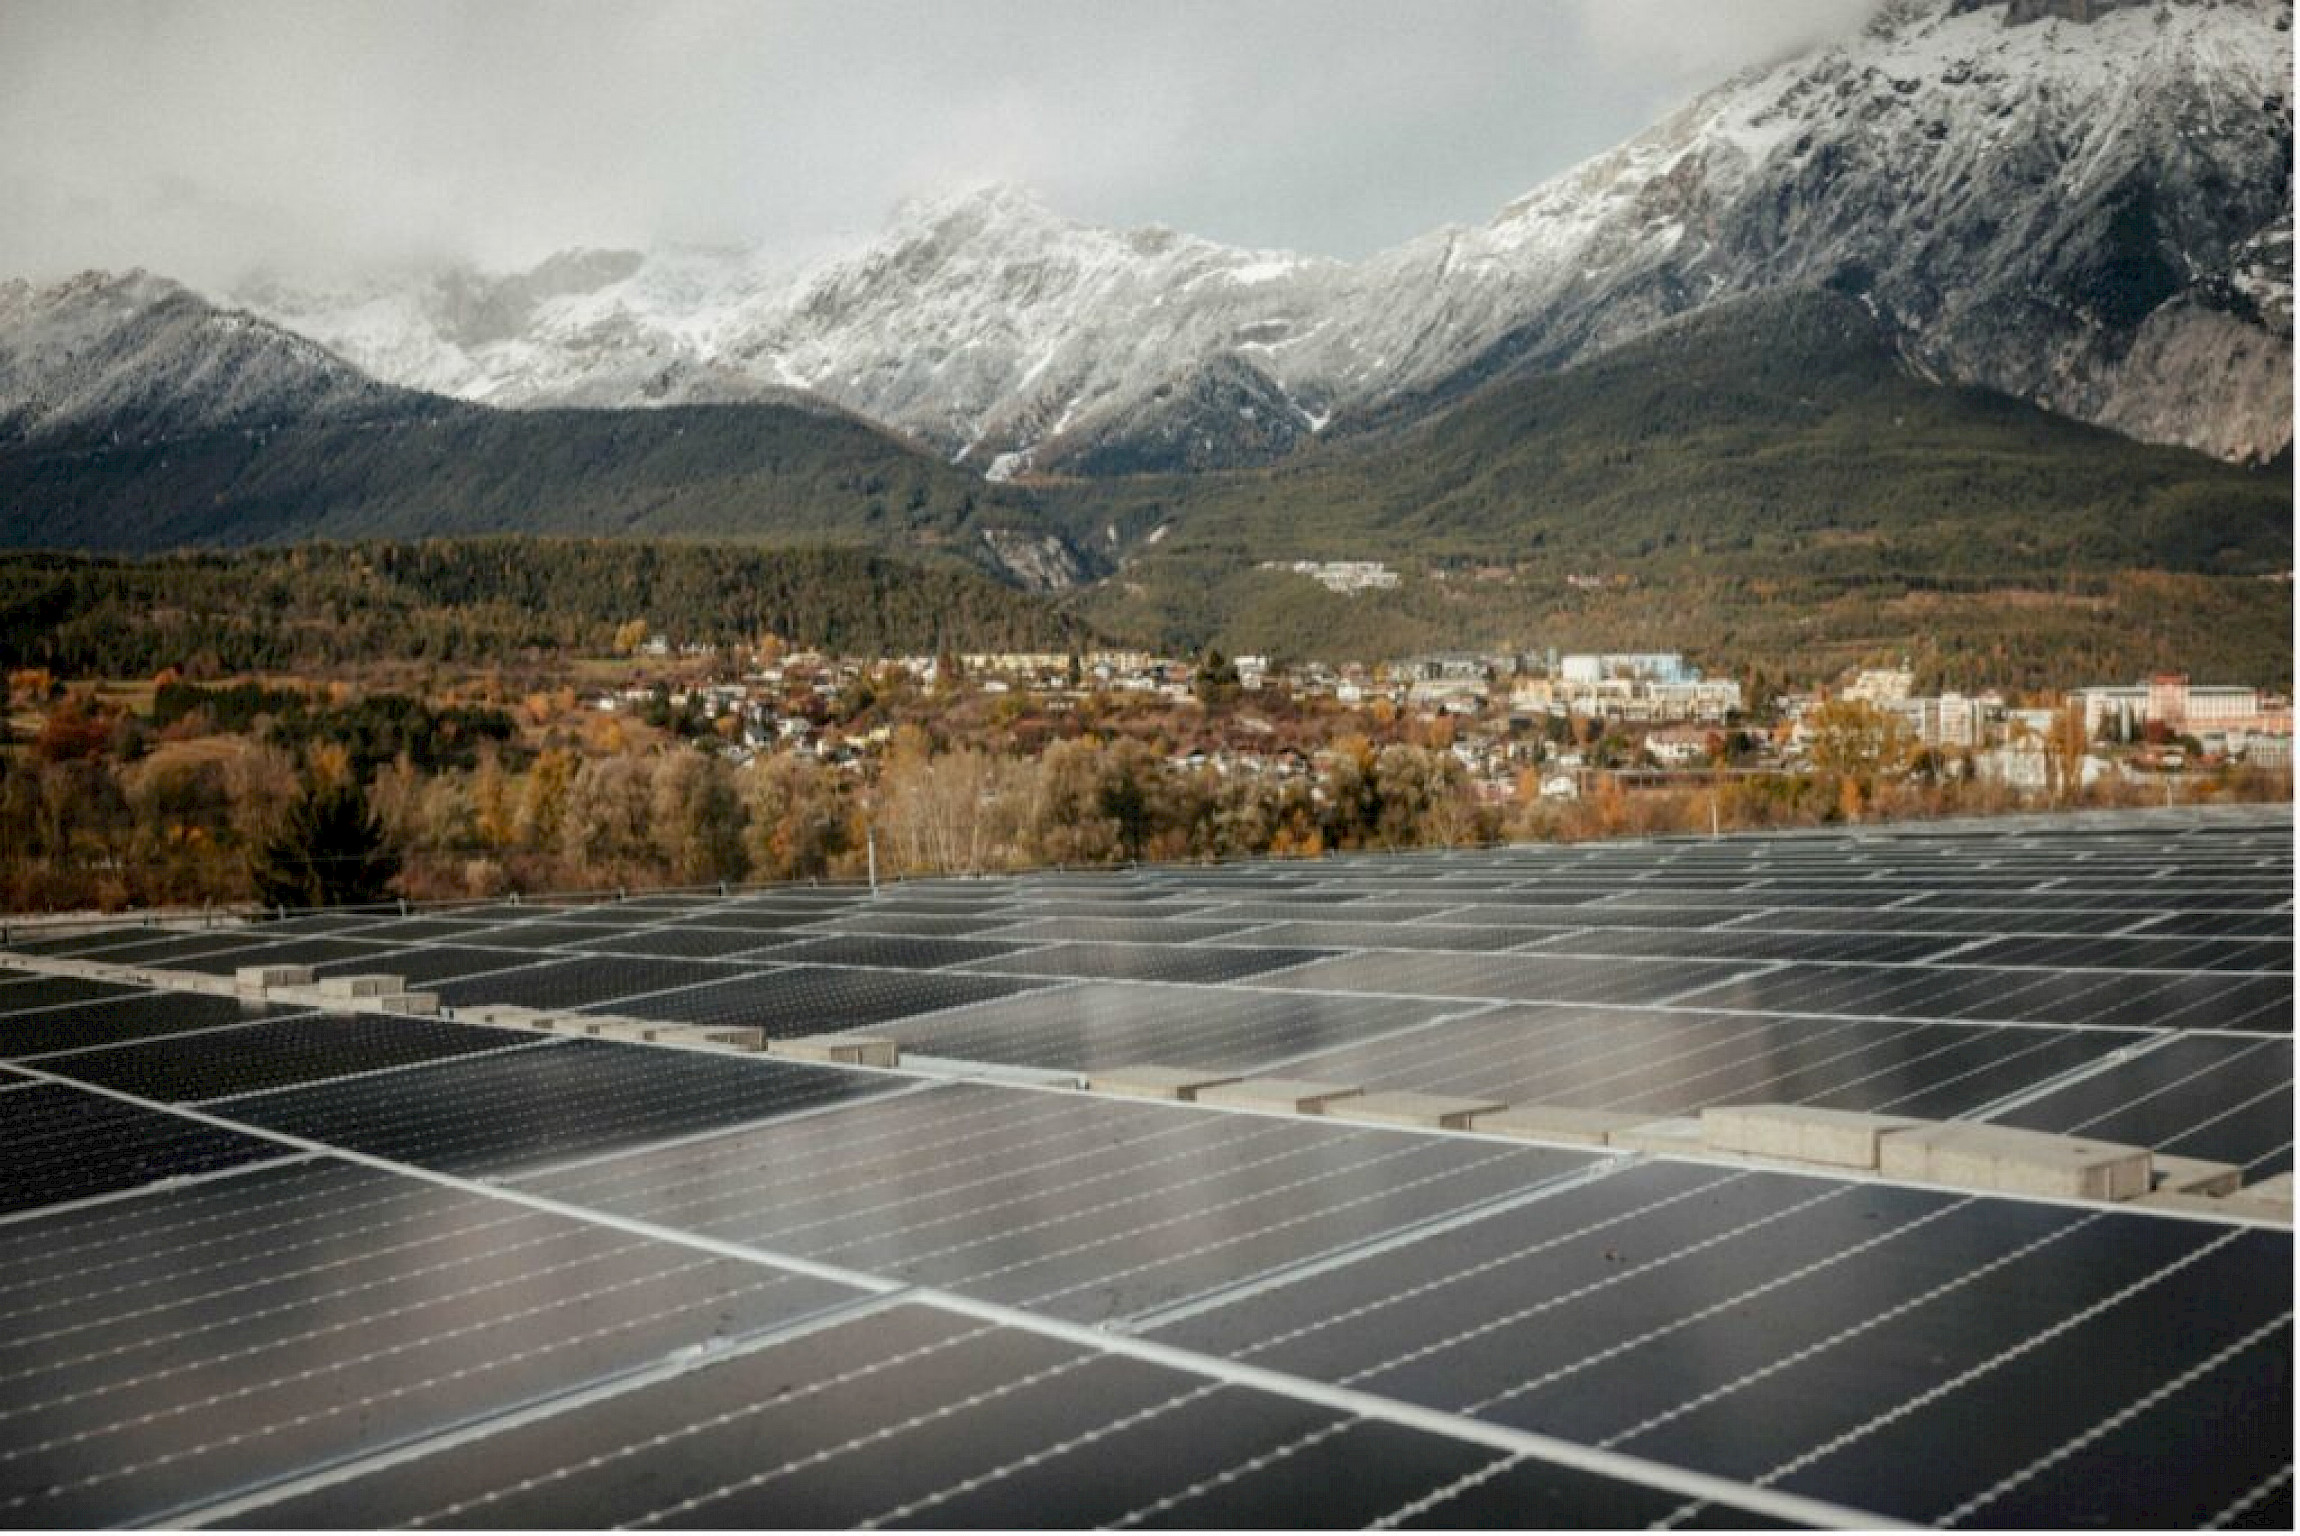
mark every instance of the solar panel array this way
{"type": "Point", "coordinates": [275, 1267]}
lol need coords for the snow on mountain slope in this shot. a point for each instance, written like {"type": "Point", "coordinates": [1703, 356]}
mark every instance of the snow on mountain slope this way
{"type": "Point", "coordinates": [598, 328]}
{"type": "Point", "coordinates": [2082, 202]}
{"type": "Point", "coordinates": [105, 356]}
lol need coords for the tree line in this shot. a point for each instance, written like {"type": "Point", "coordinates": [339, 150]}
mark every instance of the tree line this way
{"type": "Point", "coordinates": [303, 824]}
{"type": "Point", "coordinates": [491, 601]}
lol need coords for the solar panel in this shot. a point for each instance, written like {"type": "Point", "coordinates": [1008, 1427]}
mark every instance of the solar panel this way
{"type": "Point", "coordinates": [22, 993]}
{"type": "Point", "coordinates": [1664, 1063]}
{"type": "Point", "coordinates": [60, 1143]}
{"type": "Point", "coordinates": [1091, 1025]}
{"type": "Point", "coordinates": [137, 1016]}
{"type": "Point", "coordinates": [587, 982]}
{"type": "Point", "coordinates": [253, 1057]}
{"type": "Point", "coordinates": [423, 966]}
{"type": "Point", "coordinates": [791, 902]}
{"type": "Point", "coordinates": [866, 920]}
{"type": "Point", "coordinates": [175, 949]}
{"type": "Point", "coordinates": [1081, 1208]}
{"type": "Point", "coordinates": [2110, 999]}
{"type": "Point", "coordinates": [317, 922]}
{"type": "Point", "coordinates": [2224, 1098]}
{"type": "Point", "coordinates": [2267, 925]}
{"type": "Point", "coordinates": [547, 934]}
{"type": "Point", "coordinates": [1747, 944]}
{"type": "Point", "coordinates": [89, 941]}
{"type": "Point", "coordinates": [1930, 920]}
{"type": "Point", "coordinates": [1147, 904]}
{"type": "Point", "coordinates": [1544, 913]}
{"type": "Point", "coordinates": [1123, 930]}
{"type": "Point", "coordinates": [1845, 1341]}
{"type": "Point", "coordinates": [1530, 978]}
{"type": "Point", "coordinates": [159, 1356]}
{"type": "Point", "coordinates": [2134, 952]}
{"type": "Point", "coordinates": [563, 1099]}
{"type": "Point", "coordinates": [418, 930]}
{"type": "Point", "coordinates": [900, 953]}
{"type": "Point", "coordinates": [1148, 962]}
{"type": "Point", "coordinates": [998, 1428]}
{"type": "Point", "coordinates": [317, 950]}
{"type": "Point", "coordinates": [1415, 935]}
{"type": "Point", "coordinates": [939, 905]}
{"type": "Point", "coordinates": [683, 941]}
{"type": "Point", "coordinates": [813, 999]}
{"type": "Point", "coordinates": [508, 912]}
{"type": "Point", "coordinates": [1314, 906]}
{"type": "Point", "coordinates": [587, 1292]}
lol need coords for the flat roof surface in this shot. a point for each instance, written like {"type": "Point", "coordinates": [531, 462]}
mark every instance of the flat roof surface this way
{"type": "Point", "coordinates": [263, 1265]}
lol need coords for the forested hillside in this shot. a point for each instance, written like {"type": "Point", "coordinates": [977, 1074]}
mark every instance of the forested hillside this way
{"type": "Point", "coordinates": [490, 600]}
{"type": "Point", "coordinates": [1752, 479]}
{"type": "Point", "coordinates": [762, 471]}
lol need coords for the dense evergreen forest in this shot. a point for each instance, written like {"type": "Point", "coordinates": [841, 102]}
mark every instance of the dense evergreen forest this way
{"type": "Point", "coordinates": [485, 601]}
{"type": "Point", "coordinates": [442, 468]}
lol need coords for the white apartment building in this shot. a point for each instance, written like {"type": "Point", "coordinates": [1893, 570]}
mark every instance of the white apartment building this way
{"type": "Point", "coordinates": [1949, 720]}
{"type": "Point", "coordinates": [1641, 666]}
{"type": "Point", "coordinates": [2169, 699]}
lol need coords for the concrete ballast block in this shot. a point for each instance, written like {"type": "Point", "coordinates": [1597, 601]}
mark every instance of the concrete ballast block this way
{"type": "Point", "coordinates": [197, 981]}
{"type": "Point", "coordinates": [1971, 1155]}
{"type": "Point", "coordinates": [2195, 1176]}
{"type": "Point", "coordinates": [1154, 1082]}
{"type": "Point", "coordinates": [366, 984]}
{"type": "Point", "coordinates": [513, 1015]}
{"type": "Point", "coordinates": [1555, 1122]}
{"type": "Point", "coordinates": [2271, 1197]}
{"type": "Point", "coordinates": [573, 1023]}
{"type": "Point", "coordinates": [2202, 1205]}
{"type": "Point", "coordinates": [256, 978]}
{"type": "Point", "coordinates": [1424, 1111]}
{"type": "Point", "coordinates": [619, 1026]}
{"type": "Point", "coordinates": [1681, 1134]}
{"type": "Point", "coordinates": [840, 1050]}
{"type": "Point", "coordinates": [1837, 1138]}
{"type": "Point", "coordinates": [1294, 1095]}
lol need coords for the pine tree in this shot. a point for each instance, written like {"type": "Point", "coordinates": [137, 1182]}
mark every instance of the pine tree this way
{"type": "Point", "coordinates": [1216, 681]}
{"type": "Point", "coordinates": [329, 852]}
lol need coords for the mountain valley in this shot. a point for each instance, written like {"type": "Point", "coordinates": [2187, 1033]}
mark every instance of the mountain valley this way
{"type": "Point", "coordinates": [1990, 297]}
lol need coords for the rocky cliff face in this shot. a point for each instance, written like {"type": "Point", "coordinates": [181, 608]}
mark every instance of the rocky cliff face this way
{"type": "Point", "coordinates": [2080, 212]}
{"type": "Point", "coordinates": [2082, 202]}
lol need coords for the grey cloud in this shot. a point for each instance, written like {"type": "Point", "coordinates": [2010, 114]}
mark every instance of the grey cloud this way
{"type": "Point", "coordinates": [202, 137]}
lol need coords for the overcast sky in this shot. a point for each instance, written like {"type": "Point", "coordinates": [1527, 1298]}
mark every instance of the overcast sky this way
{"type": "Point", "coordinates": [200, 139]}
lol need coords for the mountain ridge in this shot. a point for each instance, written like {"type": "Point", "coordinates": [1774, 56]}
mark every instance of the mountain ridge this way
{"type": "Point", "coordinates": [2081, 203]}
{"type": "Point", "coordinates": [1735, 474]}
{"type": "Point", "coordinates": [1737, 470]}
{"type": "Point", "coordinates": [136, 416]}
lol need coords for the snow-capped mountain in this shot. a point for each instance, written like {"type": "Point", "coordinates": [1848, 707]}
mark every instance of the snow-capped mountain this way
{"type": "Point", "coordinates": [2083, 202]}
{"type": "Point", "coordinates": [585, 328]}
{"type": "Point", "coordinates": [103, 357]}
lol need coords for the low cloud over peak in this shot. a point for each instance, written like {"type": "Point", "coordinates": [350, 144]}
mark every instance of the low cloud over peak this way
{"type": "Point", "coordinates": [208, 138]}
